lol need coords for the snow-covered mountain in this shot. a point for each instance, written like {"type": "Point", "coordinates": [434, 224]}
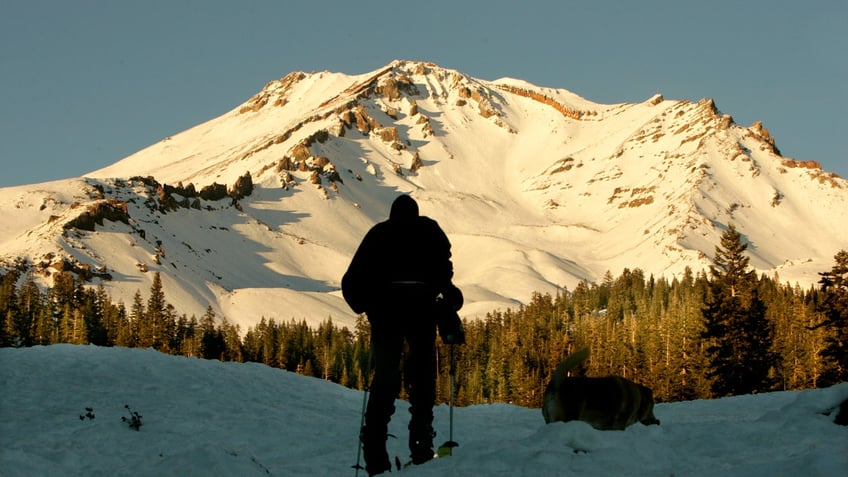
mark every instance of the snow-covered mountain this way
{"type": "Point", "coordinates": [257, 212]}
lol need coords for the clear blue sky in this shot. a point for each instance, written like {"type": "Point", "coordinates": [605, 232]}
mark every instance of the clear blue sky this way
{"type": "Point", "coordinates": [85, 83]}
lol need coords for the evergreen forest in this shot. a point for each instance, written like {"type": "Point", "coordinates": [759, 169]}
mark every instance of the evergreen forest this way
{"type": "Point", "coordinates": [715, 333]}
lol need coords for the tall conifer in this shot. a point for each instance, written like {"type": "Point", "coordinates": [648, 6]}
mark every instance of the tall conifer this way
{"type": "Point", "coordinates": [738, 333]}
{"type": "Point", "coordinates": [834, 308]}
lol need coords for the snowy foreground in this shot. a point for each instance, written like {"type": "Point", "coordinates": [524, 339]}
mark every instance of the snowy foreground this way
{"type": "Point", "coordinates": [211, 418]}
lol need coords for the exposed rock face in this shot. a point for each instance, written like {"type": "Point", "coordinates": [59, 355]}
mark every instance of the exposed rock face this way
{"type": "Point", "coordinates": [109, 209]}
{"type": "Point", "coordinates": [416, 163]}
{"type": "Point", "coordinates": [359, 118]}
{"type": "Point", "coordinates": [320, 162]}
{"type": "Point", "coordinates": [213, 192]}
{"type": "Point", "coordinates": [300, 153]}
{"type": "Point", "coordinates": [427, 128]}
{"type": "Point", "coordinates": [562, 108]}
{"type": "Point", "coordinates": [286, 164]}
{"type": "Point", "coordinates": [389, 134]}
{"type": "Point", "coordinates": [274, 92]}
{"type": "Point", "coordinates": [243, 187]}
{"type": "Point", "coordinates": [72, 266]}
{"type": "Point", "coordinates": [791, 163]}
{"type": "Point", "coordinates": [389, 89]}
{"type": "Point", "coordinates": [166, 200]}
{"type": "Point", "coordinates": [333, 176]}
{"type": "Point", "coordinates": [758, 129]}
{"type": "Point", "coordinates": [187, 191]}
{"type": "Point", "coordinates": [364, 122]}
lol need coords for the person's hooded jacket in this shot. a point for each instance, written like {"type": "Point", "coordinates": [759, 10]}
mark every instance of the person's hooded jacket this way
{"type": "Point", "coordinates": [406, 251]}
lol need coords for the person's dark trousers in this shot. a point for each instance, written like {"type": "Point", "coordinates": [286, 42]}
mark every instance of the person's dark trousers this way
{"type": "Point", "coordinates": [388, 334]}
{"type": "Point", "coordinates": [420, 367]}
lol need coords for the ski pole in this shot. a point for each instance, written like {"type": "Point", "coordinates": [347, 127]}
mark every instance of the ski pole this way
{"type": "Point", "coordinates": [358, 465]}
{"type": "Point", "coordinates": [359, 437]}
{"type": "Point", "coordinates": [450, 444]}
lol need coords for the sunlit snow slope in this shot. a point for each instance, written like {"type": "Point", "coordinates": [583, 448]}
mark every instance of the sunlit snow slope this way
{"type": "Point", "coordinates": [536, 187]}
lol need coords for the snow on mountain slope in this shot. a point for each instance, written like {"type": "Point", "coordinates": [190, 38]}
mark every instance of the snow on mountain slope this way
{"type": "Point", "coordinates": [536, 187]}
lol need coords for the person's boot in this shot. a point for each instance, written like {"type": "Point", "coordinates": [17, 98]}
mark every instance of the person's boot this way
{"type": "Point", "coordinates": [374, 451]}
{"type": "Point", "coordinates": [421, 443]}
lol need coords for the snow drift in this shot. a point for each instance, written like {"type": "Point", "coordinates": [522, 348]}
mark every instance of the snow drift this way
{"type": "Point", "coordinates": [211, 418]}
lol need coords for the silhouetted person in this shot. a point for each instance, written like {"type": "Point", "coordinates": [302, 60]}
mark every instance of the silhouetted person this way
{"type": "Point", "coordinates": [401, 277]}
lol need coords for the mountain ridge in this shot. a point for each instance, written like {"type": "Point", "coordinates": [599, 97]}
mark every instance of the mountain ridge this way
{"type": "Point", "coordinates": [536, 187]}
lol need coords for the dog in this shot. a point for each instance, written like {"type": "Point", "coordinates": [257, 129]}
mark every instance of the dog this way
{"type": "Point", "coordinates": [608, 403]}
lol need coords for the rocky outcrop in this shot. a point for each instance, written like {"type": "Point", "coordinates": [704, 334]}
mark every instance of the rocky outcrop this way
{"type": "Point", "coordinates": [109, 209]}
{"type": "Point", "coordinates": [167, 201]}
{"type": "Point", "coordinates": [416, 163]}
{"type": "Point", "coordinates": [83, 270]}
{"type": "Point", "coordinates": [544, 99]}
{"type": "Point", "coordinates": [792, 163]}
{"type": "Point", "coordinates": [274, 92]}
{"type": "Point", "coordinates": [484, 105]}
{"type": "Point", "coordinates": [390, 136]}
{"type": "Point", "coordinates": [286, 164]}
{"type": "Point", "coordinates": [815, 172]}
{"type": "Point", "coordinates": [427, 128]}
{"type": "Point", "coordinates": [639, 196]}
{"type": "Point", "coordinates": [333, 175]}
{"type": "Point", "coordinates": [391, 88]}
{"type": "Point", "coordinates": [169, 198]}
{"type": "Point", "coordinates": [187, 191]}
{"type": "Point", "coordinates": [388, 83]}
{"type": "Point", "coordinates": [315, 178]}
{"type": "Point", "coordinates": [299, 153]}
{"type": "Point", "coordinates": [243, 187]}
{"type": "Point", "coordinates": [213, 192]}
{"type": "Point", "coordinates": [364, 122]}
{"type": "Point", "coordinates": [763, 133]}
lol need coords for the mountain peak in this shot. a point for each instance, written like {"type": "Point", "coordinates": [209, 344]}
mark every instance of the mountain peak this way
{"type": "Point", "coordinates": [257, 212]}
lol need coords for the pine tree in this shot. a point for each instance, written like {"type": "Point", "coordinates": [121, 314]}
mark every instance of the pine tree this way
{"type": "Point", "coordinates": [125, 327]}
{"type": "Point", "coordinates": [23, 321]}
{"type": "Point", "coordinates": [230, 334]}
{"type": "Point", "coordinates": [212, 345]}
{"type": "Point", "coordinates": [834, 309]}
{"type": "Point", "coordinates": [739, 335]}
{"type": "Point", "coordinates": [155, 314]}
{"type": "Point", "coordinates": [141, 335]}
{"type": "Point", "coordinates": [362, 352]}
{"type": "Point", "coordinates": [8, 307]}
{"type": "Point", "coordinates": [64, 290]}
{"type": "Point", "coordinates": [189, 342]}
{"type": "Point", "coordinates": [110, 315]}
{"type": "Point", "coordinates": [74, 330]}
{"type": "Point", "coordinates": [92, 314]}
{"type": "Point", "coordinates": [269, 344]}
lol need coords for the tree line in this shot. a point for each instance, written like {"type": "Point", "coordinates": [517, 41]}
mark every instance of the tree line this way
{"type": "Point", "coordinates": [717, 333]}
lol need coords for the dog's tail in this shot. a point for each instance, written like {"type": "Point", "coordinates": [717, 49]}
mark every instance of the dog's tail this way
{"type": "Point", "coordinates": [571, 362]}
